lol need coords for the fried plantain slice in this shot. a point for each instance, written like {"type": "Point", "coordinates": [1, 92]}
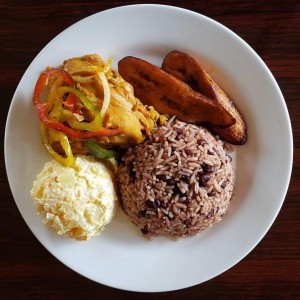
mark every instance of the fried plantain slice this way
{"type": "Point", "coordinates": [169, 95]}
{"type": "Point", "coordinates": [187, 69]}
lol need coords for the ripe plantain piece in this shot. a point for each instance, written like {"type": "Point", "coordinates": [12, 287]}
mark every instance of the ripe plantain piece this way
{"type": "Point", "coordinates": [187, 69]}
{"type": "Point", "coordinates": [169, 95]}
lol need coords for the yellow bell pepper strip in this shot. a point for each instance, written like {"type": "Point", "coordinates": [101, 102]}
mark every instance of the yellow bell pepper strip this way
{"type": "Point", "coordinates": [98, 151]}
{"type": "Point", "coordinates": [58, 136]}
{"type": "Point", "coordinates": [96, 124]}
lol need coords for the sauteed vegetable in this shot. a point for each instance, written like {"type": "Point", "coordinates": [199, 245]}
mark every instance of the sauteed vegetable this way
{"type": "Point", "coordinates": [85, 107]}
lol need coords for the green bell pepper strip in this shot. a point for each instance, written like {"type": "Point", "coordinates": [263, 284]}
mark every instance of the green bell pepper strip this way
{"type": "Point", "coordinates": [98, 151]}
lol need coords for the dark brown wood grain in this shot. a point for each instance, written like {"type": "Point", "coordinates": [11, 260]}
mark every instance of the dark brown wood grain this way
{"type": "Point", "coordinates": [270, 271]}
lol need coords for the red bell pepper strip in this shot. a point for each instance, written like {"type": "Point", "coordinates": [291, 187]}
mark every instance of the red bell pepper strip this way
{"type": "Point", "coordinates": [73, 133]}
{"type": "Point", "coordinates": [43, 81]}
{"type": "Point", "coordinates": [70, 103]}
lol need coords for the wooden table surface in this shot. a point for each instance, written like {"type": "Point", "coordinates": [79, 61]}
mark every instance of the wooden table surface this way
{"type": "Point", "coordinates": [270, 271]}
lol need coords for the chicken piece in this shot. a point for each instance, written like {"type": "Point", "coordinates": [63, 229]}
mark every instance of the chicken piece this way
{"type": "Point", "coordinates": [188, 70]}
{"type": "Point", "coordinates": [124, 110]}
{"type": "Point", "coordinates": [169, 95]}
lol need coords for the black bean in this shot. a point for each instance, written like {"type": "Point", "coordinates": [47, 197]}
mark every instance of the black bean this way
{"type": "Point", "coordinates": [179, 131]}
{"type": "Point", "coordinates": [223, 185]}
{"type": "Point", "coordinates": [144, 230]}
{"type": "Point", "coordinates": [185, 178]}
{"type": "Point", "coordinates": [142, 213]}
{"type": "Point", "coordinates": [201, 142]}
{"type": "Point", "coordinates": [208, 169]}
{"type": "Point", "coordinates": [177, 190]}
{"type": "Point", "coordinates": [161, 177]}
{"type": "Point", "coordinates": [171, 181]}
{"type": "Point", "coordinates": [150, 204]}
{"type": "Point", "coordinates": [157, 203]}
{"type": "Point", "coordinates": [163, 205]}
{"type": "Point", "coordinates": [204, 179]}
{"type": "Point", "coordinates": [212, 193]}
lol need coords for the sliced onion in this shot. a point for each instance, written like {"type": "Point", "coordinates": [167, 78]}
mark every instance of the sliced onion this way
{"type": "Point", "coordinates": [107, 66]}
{"type": "Point", "coordinates": [121, 100]}
{"type": "Point", "coordinates": [106, 90]}
{"type": "Point", "coordinates": [86, 79]}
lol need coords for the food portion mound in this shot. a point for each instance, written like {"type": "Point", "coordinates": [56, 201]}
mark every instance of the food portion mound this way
{"type": "Point", "coordinates": [77, 201]}
{"type": "Point", "coordinates": [176, 183]}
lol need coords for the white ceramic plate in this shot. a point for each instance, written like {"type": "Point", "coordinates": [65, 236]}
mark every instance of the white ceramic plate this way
{"type": "Point", "coordinates": [120, 257]}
